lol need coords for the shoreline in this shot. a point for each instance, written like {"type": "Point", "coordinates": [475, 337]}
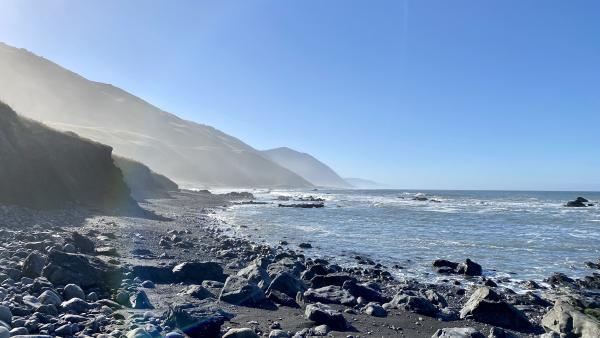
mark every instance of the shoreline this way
{"type": "Point", "coordinates": [199, 238]}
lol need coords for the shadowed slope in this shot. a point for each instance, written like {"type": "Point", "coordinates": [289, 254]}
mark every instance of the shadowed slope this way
{"type": "Point", "coordinates": [41, 167]}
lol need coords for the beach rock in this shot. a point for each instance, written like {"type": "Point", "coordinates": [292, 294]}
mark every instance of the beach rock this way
{"type": "Point", "coordinates": [5, 314]}
{"type": "Point", "coordinates": [196, 321]}
{"type": "Point", "coordinates": [282, 299]}
{"type": "Point", "coordinates": [279, 334]}
{"type": "Point", "coordinates": [287, 283]}
{"type": "Point", "coordinates": [19, 331]}
{"type": "Point", "coordinates": [337, 279]}
{"type": "Point", "coordinates": [579, 202]}
{"type": "Point", "coordinates": [139, 300]}
{"type": "Point", "coordinates": [138, 333]}
{"type": "Point", "coordinates": [565, 319]}
{"type": "Point", "coordinates": [156, 274]}
{"type": "Point", "coordinates": [305, 246]}
{"type": "Point", "coordinates": [256, 274]}
{"type": "Point", "coordinates": [4, 333]}
{"type": "Point", "coordinates": [486, 306]}
{"type": "Point", "coordinates": [496, 332]}
{"type": "Point", "coordinates": [330, 295]}
{"type": "Point", "coordinates": [86, 271]}
{"type": "Point", "coordinates": [361, 290]}
{"type": "Point", "coordinates": [107, 251]}
{"type": "Point", "coordinates": [238, 291]}
{"type": "Point", "coordinates": [375, 310]}
{"type": "Point", "coordinates": [198, 292]}
{"type": "Point", "coordinates": [466, 332]}
{"type": "Point", "coordinates": [84, 244]}
{"type": "Point", "coordinates": [416, 304]}
{"type": "Point", "coordinates": [197, 272]}
{"type": "Point", "coordinates": [33, 265]}
{"type": "Point", "coordinates": [317, 269]}
{"type": "Point", "coordinates": [50, 297]}
{"type": "Point", "coordinates": [469, 268]}
{"type": "Point", "coordinates": [241, 333]}
{"type": "Point", "coordinates": [323, 314]}
{"type": "Point", "coordinates": [75, 305]}
{"type": "Point", "coordinates": [559, 278]}
{"type": "Point", "coordinates": [73, 291]}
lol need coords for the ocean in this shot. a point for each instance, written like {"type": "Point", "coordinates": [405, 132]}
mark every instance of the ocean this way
{"type": "Point", "coordinates": [516, 234]}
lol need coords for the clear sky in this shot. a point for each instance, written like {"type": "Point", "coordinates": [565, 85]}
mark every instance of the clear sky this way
{"type": "Point", "coordinates": [418, 94]}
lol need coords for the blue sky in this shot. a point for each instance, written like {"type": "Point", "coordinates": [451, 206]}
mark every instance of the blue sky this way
{"type": "Point", "coordinates": [418, 94]}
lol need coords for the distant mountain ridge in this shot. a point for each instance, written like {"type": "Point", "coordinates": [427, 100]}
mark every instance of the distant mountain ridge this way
{"type": "Point", "coordinates": [44, 168]}
{"type": "Point", "coordinates": [307, 166]}
{"type": "Point", "coordinates": [185, 151]}
{"type": "Point", "coordinates": [361, 183]}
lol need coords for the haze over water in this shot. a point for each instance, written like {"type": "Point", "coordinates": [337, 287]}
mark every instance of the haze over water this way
{"type": "Point", "coordinates": [524, 235]}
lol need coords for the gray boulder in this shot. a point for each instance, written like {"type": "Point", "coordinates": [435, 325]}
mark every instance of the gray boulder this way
{"type": "Point", "coordinates": [287, 283]}
{"type": "Point", "coordinates": [197, 272]}
{"type": "Point", "coordinates": [323, 314]}
{"type": "Point", "coordinates": [86, 271]}
{"type": "Point", "coordinates": [485, 306]}
{"type": "Point", "coordinates": [33, 265]}
{"type": "Point", "coordinates": [73, 291]}
{"type": "Point", "coordinates": [238, 291]}
{"type": "Point", "coordinates": [330, 295]}
{"type": "Point", "coordinates": [50, 297]}
{"type": "Point", "coordinates": [196, 321]}
{"type": "Point", "coordinates": [241, 333]}
{"type": "Point", "coordinates": [375, 310]}
{"type": "Point", "coordinates": [256, 274]}
{"type": "Point", "coordinates": [75, 305]}
{"type": "Point", "coordinates": [565, 319]}
{"type": "Point", "coordinates": [466, 332]}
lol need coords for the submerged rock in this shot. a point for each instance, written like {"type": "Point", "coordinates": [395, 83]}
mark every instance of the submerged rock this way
{"type": "Point", "coordinates": [579, 202]}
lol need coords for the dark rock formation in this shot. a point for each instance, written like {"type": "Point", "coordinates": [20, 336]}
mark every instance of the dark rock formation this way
{"type": "Point", "coordinates": [44, 168]}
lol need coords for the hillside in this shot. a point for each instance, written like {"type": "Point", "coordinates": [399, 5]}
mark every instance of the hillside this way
{"type": "Point", "coordinates": [142, 181]}
{"type": "Point", "coordinates": [361, 183]}
{"type": "Point", "coordinates": [305, 165]}
{"type": "Point", "coordinates": [43, 168]}
{"type": "Point", "coordinates": [185, 151]}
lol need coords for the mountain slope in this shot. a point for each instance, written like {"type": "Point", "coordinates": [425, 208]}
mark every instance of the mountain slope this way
{"type": "Point", "coordinates": [305, 165]}
{"type": "Point", "coordinates": [43, 168]}
{"type": "Point", "coordinates": [143, 182]}
{"type": "Point", "coordinates": [184, 151]}
{"type": "Point", "coordinates": [361, 183]}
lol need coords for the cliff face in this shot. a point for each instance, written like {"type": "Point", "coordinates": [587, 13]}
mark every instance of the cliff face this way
{"type": "Point", "coordinates": [143, 182]}
{"type": "Point", "coordinates": [43, 168]}
{"type": "Point", "coordinates": [185, 151]}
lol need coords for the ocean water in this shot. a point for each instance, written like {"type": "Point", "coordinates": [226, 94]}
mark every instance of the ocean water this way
{"type": "Point", "coordinates": [523, 235]}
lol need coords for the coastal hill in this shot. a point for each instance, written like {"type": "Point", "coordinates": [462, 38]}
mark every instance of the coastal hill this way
{"type": "Point", "coordinates": [305, 165]}
{"type": "Point", "coordinates": [184, 151]}
{"type": "Point", "coordinates": [361, 183]}
{"type": "Point", "coordinates": [44, 168]}
{"type": "Point", "coordinates": [142, 181]}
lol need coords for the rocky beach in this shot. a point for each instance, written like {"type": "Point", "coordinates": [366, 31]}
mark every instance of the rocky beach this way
{"type": "Point", "coordinates": [171, 271]}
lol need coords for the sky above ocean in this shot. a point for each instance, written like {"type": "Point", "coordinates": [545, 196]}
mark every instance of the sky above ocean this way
{"type": "Point", "coordinates": [416, 94]}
